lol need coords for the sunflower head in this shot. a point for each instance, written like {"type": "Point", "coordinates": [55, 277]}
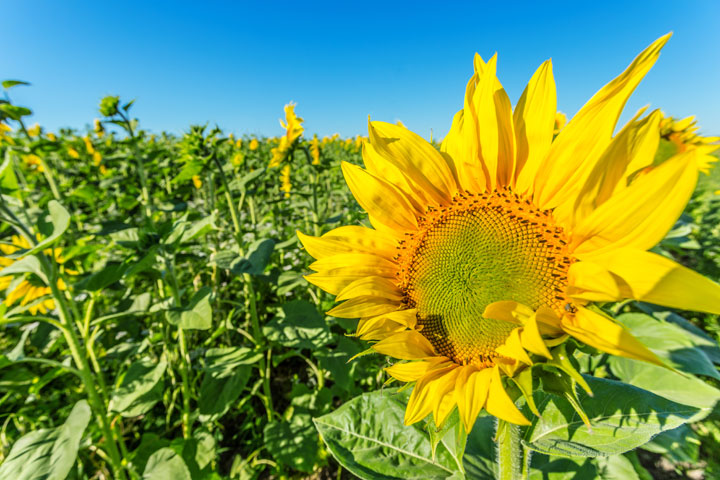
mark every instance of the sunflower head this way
{"type": "Point", "coordinates": [484, 258]}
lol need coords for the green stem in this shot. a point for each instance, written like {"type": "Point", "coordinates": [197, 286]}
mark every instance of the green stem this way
{"type": "Point", "coordinates": [147, 210]}
{"type": "Point", "coordinates": [80, 359]}
{"type": "Point", "coordinates": [47, 172]}
{"type": "Point", "coordinates": [184, 357]}
{"type": "Point", "coordinates": [228, 196]}
{"type": "Point", "coordinates": [260, 339]}
{"type": "Point", "coordinates": [509, 451]}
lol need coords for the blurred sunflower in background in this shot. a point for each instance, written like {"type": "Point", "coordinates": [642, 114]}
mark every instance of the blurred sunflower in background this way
{"type": "Point", "coordinates": [293, 130]}
{"type": "Point", "coordinates": [27, 289]}
{"type": "Point", "coordinates": [682, 135]}
{"type": "Point", "coordinates": [485, 257]}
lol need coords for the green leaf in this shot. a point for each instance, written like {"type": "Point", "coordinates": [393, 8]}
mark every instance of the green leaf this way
{"type": "Point", "coordinates": [622, 417]}
{"type": "Point", "coordinates": [138, 390]}
{"type": "Point", "coordinates": [367, 436]}
{"type": "Point", "coordinates": [165, 464]}
{"type": "Point", "coordinates": [50, 453]}
{"type": "Point", "coordinates": [257, 258]}
{"type": "Point", "coordinates": [293, 443]}
{"type": "Point", "coordinates": [227, 371]}
{"type": "Point", "coordinates": [680, 388]}
{"type": "Point", "coordinates": [669, 342]}
{"type": "Point", "coordinates": [112, 272]}
{"type": "Point", "coordinates": [197, 315]}
{"type": "Point", "coordinates": [8, 180]}
{"type": "Point", "coordinates": [15, 112]}
{"type": "Point", "coordinates": [58, 222]}
{"type": "Point", "coordinates": [11, 83]}
{"type": "Point", "coordinates": [300, 326]}
{"type": "Point", "coordinates": [679, 445]}
{"type": "Point", "coordinates": [29, 264]}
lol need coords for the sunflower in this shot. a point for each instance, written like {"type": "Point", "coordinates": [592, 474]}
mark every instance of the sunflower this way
{"type": "Point", "coordinates": [682, 135]}
{"type": "Point", "coordinates": [29, 288]}
{"type": "Point", "coordinates": [487, 254]}
{"type": "Point", "coordinates": [293, 130]}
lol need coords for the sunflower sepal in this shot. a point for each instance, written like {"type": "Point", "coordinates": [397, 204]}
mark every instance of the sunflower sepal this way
{"type": "Point", "coordinates": [524, 382]}
{"type": "Point", "coordinates": [562, 385]}
{"type": "Point", "coordinates": [450, 429]}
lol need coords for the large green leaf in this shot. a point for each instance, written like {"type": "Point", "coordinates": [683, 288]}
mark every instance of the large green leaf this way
{"type": "Point", "coordinates": [622, 416]}
{"type": "Point", "coordinates": [367, 436]}
{"type": "Point", "coordinates": [227, 370]}
{"type": "Point", "coordinates": [50, 453]}
{"type": "Point", "coordinates": [680, 388]}
{"type": "Point", "coordinates": [165, 464]}
{"type": "Point", "coordinates": [670, 342]}
{"type": "Point", "coordinates": [197, 315]}
{"type": "Point", "coordinates": [139, 389]}
{"type": "Point", "coordinates": [300, 326]}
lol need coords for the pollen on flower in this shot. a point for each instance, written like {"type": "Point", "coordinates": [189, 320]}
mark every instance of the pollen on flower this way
{"type": "Point", "coordinates": [479, 249]}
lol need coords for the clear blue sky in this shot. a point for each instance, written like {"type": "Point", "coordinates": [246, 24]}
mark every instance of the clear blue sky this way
{"type": "Point", "coordinates": [236, 64]}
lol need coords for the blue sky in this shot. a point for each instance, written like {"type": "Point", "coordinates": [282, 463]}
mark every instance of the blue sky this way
{"type": "Point", "coordinates": [236, 64]}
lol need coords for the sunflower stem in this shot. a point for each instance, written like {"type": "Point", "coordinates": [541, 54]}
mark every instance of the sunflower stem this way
{"type": "Point", "coordinates": [509, 453]}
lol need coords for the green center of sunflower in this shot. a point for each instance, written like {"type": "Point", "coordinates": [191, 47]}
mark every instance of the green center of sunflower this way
{"type": "Point", "coordinates": [479, 250]}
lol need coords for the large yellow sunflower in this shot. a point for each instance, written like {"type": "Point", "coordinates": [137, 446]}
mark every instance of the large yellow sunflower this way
{"type": "Point", "coordinates": [486, 255]}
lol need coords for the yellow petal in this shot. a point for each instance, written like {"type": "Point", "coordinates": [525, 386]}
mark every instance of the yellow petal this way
{"type": "Point", "coordinates": [592, 282]}
{"type": "Point", "coordinates": [656, 279]}
{"type": "Point", "coordinates": [604, 334]}
{"type": "Point", "coordinates": [534, 119]}
{"type": "Point", "coordinates": [408, 345]}
{"type": "Point", "coordinates": [461, 147]}
{"type": "Point", "coordinates": [633, 148]}
{"type": "Point", "coordinates": [364, 307]}
{"type": "Point", "coordinates": [444, 408]}
{"type": "Point", "coordinates": [640, 215]}
{"type": "Point", "coordinates": [471, 392]}
{"type": "Point", "coordinates": [579, 145]}
{"type": "Point", "coordinates": [409, 372]}
{"type": "Point", "coordinates": [370, 287]}
{"type": "Point", "coordinates": [376, 164]}
{"type": "Point", "coordinates": [428, 393]}
{"type": "Point", "coordinates": [499, 403]}
{"type": "Point", "coordinates": [349, 239]}
{"type": "Point", "coordinates": [354, 260]}
{"type": "Point", "coordinates": [384, 202]}
{"type": "Point", "coordinates": [372, 327]}
{"type": "Point", "coordinates": [512, 348]}
{"type": "Point", "coordinates": [508, 311]}
{"type": "Point", "coordinates": [531, 339]}
{"type": "Point", "coordinates": [419, 160]}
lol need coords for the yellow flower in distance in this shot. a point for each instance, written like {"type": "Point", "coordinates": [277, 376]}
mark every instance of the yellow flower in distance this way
{"type": "Point", "coordinates": [285, 186]}
{"type": "Point", "coordinates": [683, 134]}
{"type": "Point", "coordinates": [315, 150]}
{"type": "Point", "coordinates": [254, 144]}
{"type": "Point", "coordinates": [98, 128]}
{"type": "Point", "coordinates": [35, 130]}
{"type": "Point", "coordinates": [73, 153]}
{"type": "Point", "coordinates": [4, 129]}
{"type": "Point", "coordinates": [293, 129]}
{"type": "Point", "coordinates": [197, 181]}
{"type": "Point", "coordinates": [29, 288]}
{"type": "Point", "coordinates": [483, 258]}
{"type": "Point", "coordinates": [89, 145]}
{"type": "Point", "coordinates": [560, 121]}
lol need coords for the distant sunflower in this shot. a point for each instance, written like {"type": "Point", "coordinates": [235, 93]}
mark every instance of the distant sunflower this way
{"type": "Point", "coordinates": [29, 289]}
{"type": "Point", "coordinates": [487, 254]}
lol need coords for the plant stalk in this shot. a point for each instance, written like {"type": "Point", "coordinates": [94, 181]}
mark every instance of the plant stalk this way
{"type": "Point", "coordinates": [509, 451]}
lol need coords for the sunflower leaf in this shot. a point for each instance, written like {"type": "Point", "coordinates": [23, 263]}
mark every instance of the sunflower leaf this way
{"type": "Point", "coordinates": [622, 417]}
{"type": "Point", "coordinates": [367, 436]}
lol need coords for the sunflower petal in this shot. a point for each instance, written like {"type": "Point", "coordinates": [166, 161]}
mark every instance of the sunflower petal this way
{"type": "Point", "coordinates": [349, 239]}
{"type": "Point", "coordinates": [420, 161]}
{"type": "Point", "coordinates": [363, 307]}
{"type": "Point", "coordinates": [499, 403]}
{"type": "Point", "coordinates": [384, 202]}
{"type": "Point", "coordinates": [640, 215]}
{"type": "Point", "coordinates": [407, 345]}
{"type": "Point", "coordinates": [652, 278]}
{"type": "Point", "coordinates": [531, 339]}
{"type": "Point", "coordinates": [370, 287]}
{"type": "Point", "coordinates": [579, 145]}
{"type": "Point", "coordinates": [512, 348]}
{"type": "Point", "coordinates": [534, 119]}
{"type": "Point", "coordinates": [365, 261]}
{"type": "Point", "coordinates": [428, 391]}
{"type": "Point", "coordinates": [606, 335]}
{"type": "Point", "coordinates": [409, 372]}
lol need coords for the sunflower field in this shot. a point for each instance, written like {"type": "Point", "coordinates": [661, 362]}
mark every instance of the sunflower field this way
{"type": "Point", "coordinates": [186, 306]}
